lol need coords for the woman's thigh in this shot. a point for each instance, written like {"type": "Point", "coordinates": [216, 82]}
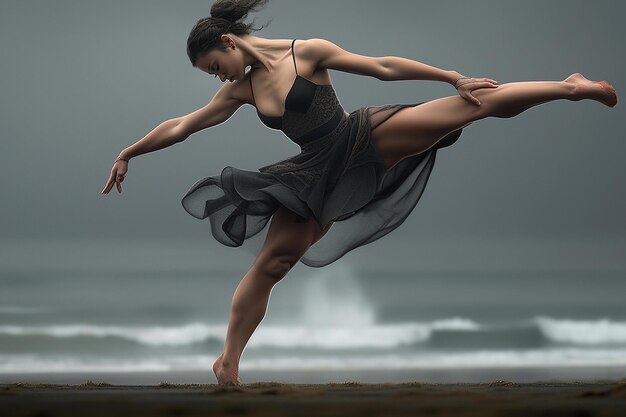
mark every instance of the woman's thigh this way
{"type": "Point", "coordinates": [413, 130]}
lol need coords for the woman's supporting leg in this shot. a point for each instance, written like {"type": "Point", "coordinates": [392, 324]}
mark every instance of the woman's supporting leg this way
{"type": "Point", "coordinates": [286, 242]}
{"type": "Point", "coordinates": [416, 129]}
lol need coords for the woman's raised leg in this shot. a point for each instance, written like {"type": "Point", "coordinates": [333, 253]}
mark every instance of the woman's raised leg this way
{"type": "Point", "coordinates": [286, 241]}
{"type": "Point", "coordinates": [413, 130]}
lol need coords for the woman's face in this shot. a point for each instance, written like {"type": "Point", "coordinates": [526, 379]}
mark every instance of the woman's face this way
{"type": "Point", "coordinates": [225, 65]}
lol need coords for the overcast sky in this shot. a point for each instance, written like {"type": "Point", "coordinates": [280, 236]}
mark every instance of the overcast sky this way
{"type": "Point", "coordinates": [81, 80]}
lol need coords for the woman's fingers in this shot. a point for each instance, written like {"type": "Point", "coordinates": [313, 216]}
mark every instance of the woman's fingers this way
{"type": "Point", "coordinates": [114, 179]}
{"type": "Point", "coordinates": [118, 172]}
{"type": "Point", "coordinates": [465, 90]}
{"type": "Point", "coordinates": [487, 83]}
{"type": "Point", "coordinates": [469, 97]}
{"type": "Point", "coordinates": [118, 182]}
{"type": "Point", "coordinates": [109, 184]}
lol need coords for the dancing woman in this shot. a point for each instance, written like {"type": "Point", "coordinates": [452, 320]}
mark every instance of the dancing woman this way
{"type": "Point", "coordinates": [359, 174]}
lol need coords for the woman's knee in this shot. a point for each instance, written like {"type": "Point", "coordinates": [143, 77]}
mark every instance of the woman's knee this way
{"type": "Point", "coordinates": [288, 238]}
{"type": "Point", "coordinates": [275, 265]}
{"type": "Point", "coordinates": [494, 108]}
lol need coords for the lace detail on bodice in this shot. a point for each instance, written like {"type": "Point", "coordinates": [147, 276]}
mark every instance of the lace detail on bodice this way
{"type": "Point", "coordinates": [307, 167]}
{"type": "Point", "coordinates": [323, 107]}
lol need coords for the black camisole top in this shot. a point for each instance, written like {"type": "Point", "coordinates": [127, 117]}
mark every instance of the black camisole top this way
{"type": "Point", "coordinates": [299, 98]}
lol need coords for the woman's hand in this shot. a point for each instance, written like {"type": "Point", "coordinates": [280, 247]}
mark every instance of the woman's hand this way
{"type": "Point", "coordinates": [466, 85]}
{"type": "Point", "coordinates": [120, 167]}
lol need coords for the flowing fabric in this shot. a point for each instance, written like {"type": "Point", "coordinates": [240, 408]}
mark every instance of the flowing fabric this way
{"type": "Point", "coordinates": [338, 178]}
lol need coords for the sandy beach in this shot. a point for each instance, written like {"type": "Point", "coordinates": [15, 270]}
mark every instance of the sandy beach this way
{"type": "Point", "coordinates": [497, 398]}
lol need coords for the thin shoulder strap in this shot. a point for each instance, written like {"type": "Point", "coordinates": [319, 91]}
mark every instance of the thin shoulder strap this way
{"type": "Point", "coordinates": [251, 89]}
{"type": "Point", "coordinates": [294, 56]}
{"type": "Point", "coordinates": [294, 64]}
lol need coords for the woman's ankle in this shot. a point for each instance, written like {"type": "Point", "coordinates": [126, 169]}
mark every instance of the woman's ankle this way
{"type": "Point", "coordinates": [228, 362]}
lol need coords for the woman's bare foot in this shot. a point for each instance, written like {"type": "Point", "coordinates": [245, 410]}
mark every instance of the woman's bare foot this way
{"type": "Point", "coordinates": [600, 91]}
{"type": "Point", "coordinates": [225, 375]}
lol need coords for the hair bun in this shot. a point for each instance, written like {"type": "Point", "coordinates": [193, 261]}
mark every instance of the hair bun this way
{"type": "Point", "coordinates": [222, 17]}
{"type": "Point", "coordinates": [232, 10]}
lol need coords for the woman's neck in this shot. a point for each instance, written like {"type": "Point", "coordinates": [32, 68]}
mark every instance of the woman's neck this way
{"type": "Point", "coordinates": [261, 52]}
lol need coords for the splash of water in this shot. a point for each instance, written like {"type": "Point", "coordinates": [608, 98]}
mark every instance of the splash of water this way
{"type": "Point", "coordinates": [334, 296]}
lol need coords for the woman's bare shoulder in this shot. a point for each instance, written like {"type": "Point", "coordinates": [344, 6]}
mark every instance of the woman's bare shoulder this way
{"type": "Point", "coordinates": [313, 47]}
{"type": "Point", "coordinates": [325, 55]}
{"type": "Point", "coordinates": [238, 90]}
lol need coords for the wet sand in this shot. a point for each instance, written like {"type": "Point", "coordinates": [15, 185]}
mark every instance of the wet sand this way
{"type": "Point", "coordinates": [498, 398]}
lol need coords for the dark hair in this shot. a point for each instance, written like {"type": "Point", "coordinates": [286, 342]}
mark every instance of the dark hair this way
{"type": "Point", "coordinates": [225, 18]}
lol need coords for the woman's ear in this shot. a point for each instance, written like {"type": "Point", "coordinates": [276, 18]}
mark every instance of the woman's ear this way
{"type": "Point", "coordinates": [228, 41]}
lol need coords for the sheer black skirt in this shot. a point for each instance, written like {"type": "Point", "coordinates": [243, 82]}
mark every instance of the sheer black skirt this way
{"type": "Point", "coordinates": [339, 178]}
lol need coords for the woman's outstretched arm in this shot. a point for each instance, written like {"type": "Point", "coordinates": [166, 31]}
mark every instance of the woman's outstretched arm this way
{"type": "Point", "coordinates": [385, 68]}
{"type": "Point", "coordinates": [173, 131]}
{"type": "Point", "coordinates": [398, 68]}
{"type": "Point", "coordinates": [389, 68]}
{"type": "Point", "coordinates": [221, 107]}
{"type": "Point", "coordinates": [162, 136]}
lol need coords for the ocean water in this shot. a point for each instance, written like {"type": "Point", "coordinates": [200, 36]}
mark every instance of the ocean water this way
{"type": "Point", "coordinates": [337, 320]}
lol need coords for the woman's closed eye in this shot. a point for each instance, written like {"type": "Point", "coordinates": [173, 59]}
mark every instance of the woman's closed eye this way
{"type": "Point", "coordinates": [214, 69]}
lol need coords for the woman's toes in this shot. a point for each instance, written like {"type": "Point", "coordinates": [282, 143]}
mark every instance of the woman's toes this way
{"type": "Point", "coordinates": [610, 95]}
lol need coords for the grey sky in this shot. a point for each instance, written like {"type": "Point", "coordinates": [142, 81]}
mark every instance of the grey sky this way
{"type": "Point", "coordinates": [82, 80]}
